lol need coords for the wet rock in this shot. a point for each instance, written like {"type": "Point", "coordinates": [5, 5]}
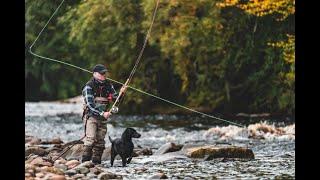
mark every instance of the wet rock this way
{"type": "Point", "coordinates": [53, 141]}
{"type": "Point", "coordinates": [34, 141]}
{"type": "Point", "coordinates": [40, 162]}
{"type": "Point", "coordinates": [52, 170]}
{"type": "Point", "coordinates": [91, 175]}
{"type": "Point", "coordinates": [213, 151]}
{"type": "Point", "coordinates": [78, 176]}
{"type": "Point", "coordinates": [60, 161]}
{"type": "Point", "coordinates": [29, 166]}
{"type": "Point", "coordinates": [158, 176]}
{"type": "Point", "coordinates": [27, 174]}
{"type": "Point", "coordinates": [162, 157]}
{"type": "Point", "coordinates": [40, 175]}
{"type": "Point", "coordinates": [140, 169]}
{"type": "Point", "coordinates": [30, 158]}
{"type": "Point", "coordinates": [72, 163]}
{"type": "Point", "coordinates": [168, 147]}
{"type": "Point", "coordinates": [107, 175]}
{"type": "Point", "coordinates": [57, 177]}
{"type": "Point", "coordinates": [95, 170]}
{"type": "Point", "coordinates": [87, 164]}
{"type": "Point", "coordinates": [71, 172]}
{"type": "Point", "coordinates": [31, 172]}
{"type": "Point", "coordinates": [35, 150]}
{"type": "Point", "coordinates": [144, 152]}
{"type": "Point", "coordinates": [283, 177]}
{"type": "Point", "coordinates": [81, 169]}
{"type": "Point", "coordinates": [63, 167]}
{"type": "Point", "coordinates": [74, 153]}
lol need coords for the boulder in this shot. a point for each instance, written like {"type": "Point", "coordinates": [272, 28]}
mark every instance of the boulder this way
{"type": "Point", "coordinates": [107, 175]}
{"type": "Point", "coordinates": [39, 161]}
{"type": "Point", "coordinates": [214, 151]}
{"type": "Point", "coordinates": [53, 141]}
{"type": "Point", "coordinates": [72, 163]}
{"type": "Point", "coordinates": [168, 147]}
{"type": "Point", "coordinates": [35, 150]}
{"type": "Point", "coordinates": [158, 176]}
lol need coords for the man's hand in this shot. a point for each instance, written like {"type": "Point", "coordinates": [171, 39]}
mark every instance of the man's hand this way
{"type": "Point", "coordinates": [106, 115]}
{"type": "Point", "coordinates": [123, 89]}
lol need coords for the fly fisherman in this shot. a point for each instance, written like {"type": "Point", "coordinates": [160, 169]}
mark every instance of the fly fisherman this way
{"type": "Point", "coordinates": [98, 96]}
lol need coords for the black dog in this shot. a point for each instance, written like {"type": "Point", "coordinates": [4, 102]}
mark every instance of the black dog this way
{"type": "Point", "coordinates": [123, 146]}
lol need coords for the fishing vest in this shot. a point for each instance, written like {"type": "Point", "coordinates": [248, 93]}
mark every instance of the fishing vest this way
{"type": "Point", "coordinates": [102, 93]}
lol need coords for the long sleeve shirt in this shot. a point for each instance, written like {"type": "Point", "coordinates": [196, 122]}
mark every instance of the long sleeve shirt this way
{"type": "Point", "coordinates": [88, 94]}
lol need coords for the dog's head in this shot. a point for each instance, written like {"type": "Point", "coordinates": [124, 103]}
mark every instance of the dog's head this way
{"type": "Point", "coordinates": [131, 133]}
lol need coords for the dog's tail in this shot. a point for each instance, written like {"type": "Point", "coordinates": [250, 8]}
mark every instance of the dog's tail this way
{"type": "Point", "coordinates": [110, 139]}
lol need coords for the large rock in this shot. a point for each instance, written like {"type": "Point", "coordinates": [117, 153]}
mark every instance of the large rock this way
{"type": "Point", "coordinates": [35, 150]}
{"type": "Point", "coordinates": [158, 176]}
{"type": "Point", "coordinates": [39, 161]}
{"type": "Point", "coordinates": [214, 151]}
{"type": "Point", "coordinates": [53, 170]}
{"type": "Point", "coordinates": [168, 147]}
{"type": "Point", "coordinates": [74, 153]}
{"type": "Point", "coordinates": [72, 163]}
{"type": "Point", "coordinates": [144, 151]}
{"type": "Point", "coordinates": [52, 141]}
{"type": "Point", "coordinates": [81, 169]}
{"type": "Point", "coordinates": [107, 175]}
{"type": "Point", "coordinates": [57, 177]}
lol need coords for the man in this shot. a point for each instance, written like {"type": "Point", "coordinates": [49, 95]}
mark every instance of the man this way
{"type": "Point", "coordinates": [98, 95]}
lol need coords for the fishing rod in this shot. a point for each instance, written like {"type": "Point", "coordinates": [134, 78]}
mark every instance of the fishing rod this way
{"type": "Point", "coordinates": [131, 74]}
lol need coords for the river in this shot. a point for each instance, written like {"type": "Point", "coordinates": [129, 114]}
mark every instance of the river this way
{"type": "Point", "coordinates": [272, 141]}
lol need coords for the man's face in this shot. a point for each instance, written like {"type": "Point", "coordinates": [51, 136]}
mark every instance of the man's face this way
{"type": "Point", "coordinates": [99, 76]}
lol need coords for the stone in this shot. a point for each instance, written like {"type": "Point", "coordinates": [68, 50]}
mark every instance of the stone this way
{"type": "Point", "coordinates": [158, 176]}
{"type": "Point", "coordinates": [57, 177]}
{"type": "Point", "coordinates": [168, 147]}
{"type": "Point", "coordinates": [34, 141]}
{"type": "Point", "coordinates": [40, 175]}
{"type": "Point", "coordinates": [104, 175]}
{"type": "Point", "coordinates": [145, 151]}
{"type": "Point", "coordinates": [30, 158]}
{"type": "Point", "coordinates": [95, 170]}
{"type": "Point", "coordinates": [60, 161]}
{"type": "Point", "coordinates": [53, 170]}
{"type": "Point", "coordinates": [63, 167]}
{"type": "Point", "coordinates": [40, 162]}
{"type": "Point", "coordinates": [78, 176]}
{"type": "Point", "coordinates": [34, 150]}
{"type": "Point", "coordinates": [72, 163]}
{"type": "Point", "coordinates": [81, 169]}
{"type": "Point", "coordinates": [74, 153]}
{"type": "Point", "coordinates": [91, 175]}
{"type": "Point", "coordinates": [53, 141]}
{"type": "Point", "coordinates": [213, 151]}
{"type": "Point", "coordinates": [71, 172]}
{"type": "Point", "coordinates": [87, 164]}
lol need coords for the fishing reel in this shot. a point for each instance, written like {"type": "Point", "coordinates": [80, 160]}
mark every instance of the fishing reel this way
{"type": "Point", "coordinates": [114, 110]}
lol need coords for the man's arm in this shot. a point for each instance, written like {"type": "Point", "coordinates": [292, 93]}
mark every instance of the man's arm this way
{"type": "Point", "coordinates": [115, 94]}
{"type": "Point", "coordinates": [89, 100]}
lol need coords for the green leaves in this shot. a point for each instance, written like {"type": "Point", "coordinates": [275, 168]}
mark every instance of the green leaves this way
{"type": "Point", "coordinates": [199, 54]}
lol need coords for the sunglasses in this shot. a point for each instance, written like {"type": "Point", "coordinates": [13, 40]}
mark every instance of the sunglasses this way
{"type": "Point", "coordinates": [103, 73]}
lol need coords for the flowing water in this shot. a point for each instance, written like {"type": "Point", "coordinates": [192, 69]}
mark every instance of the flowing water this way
{"type": "Point", "coordinates": [272, 142]}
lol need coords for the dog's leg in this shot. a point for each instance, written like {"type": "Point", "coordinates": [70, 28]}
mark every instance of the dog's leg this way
{"type": "Point", "coordinates": [113, 155]}
{"type": "Point", "coordinates": [124, 161]}
{"type": "Point", "coordinates": [129, 159]}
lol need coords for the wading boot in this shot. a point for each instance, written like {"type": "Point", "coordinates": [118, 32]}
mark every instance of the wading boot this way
{"type": "Point", "coordinates": [87, 154]}
{"type": "Point", "coordinates": [97, 153]}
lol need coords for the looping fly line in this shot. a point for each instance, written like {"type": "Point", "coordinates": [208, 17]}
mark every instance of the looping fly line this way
{"type": "Point", "coordinates": [132, 72]}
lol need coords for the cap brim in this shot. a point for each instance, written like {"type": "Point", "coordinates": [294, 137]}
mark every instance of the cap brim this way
{"type": "Point", "coordinates": [103, 71]}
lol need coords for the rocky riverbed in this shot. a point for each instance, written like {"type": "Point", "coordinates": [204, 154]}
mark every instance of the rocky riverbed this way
{"type": "Point", "coordinates": [163, 151]}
